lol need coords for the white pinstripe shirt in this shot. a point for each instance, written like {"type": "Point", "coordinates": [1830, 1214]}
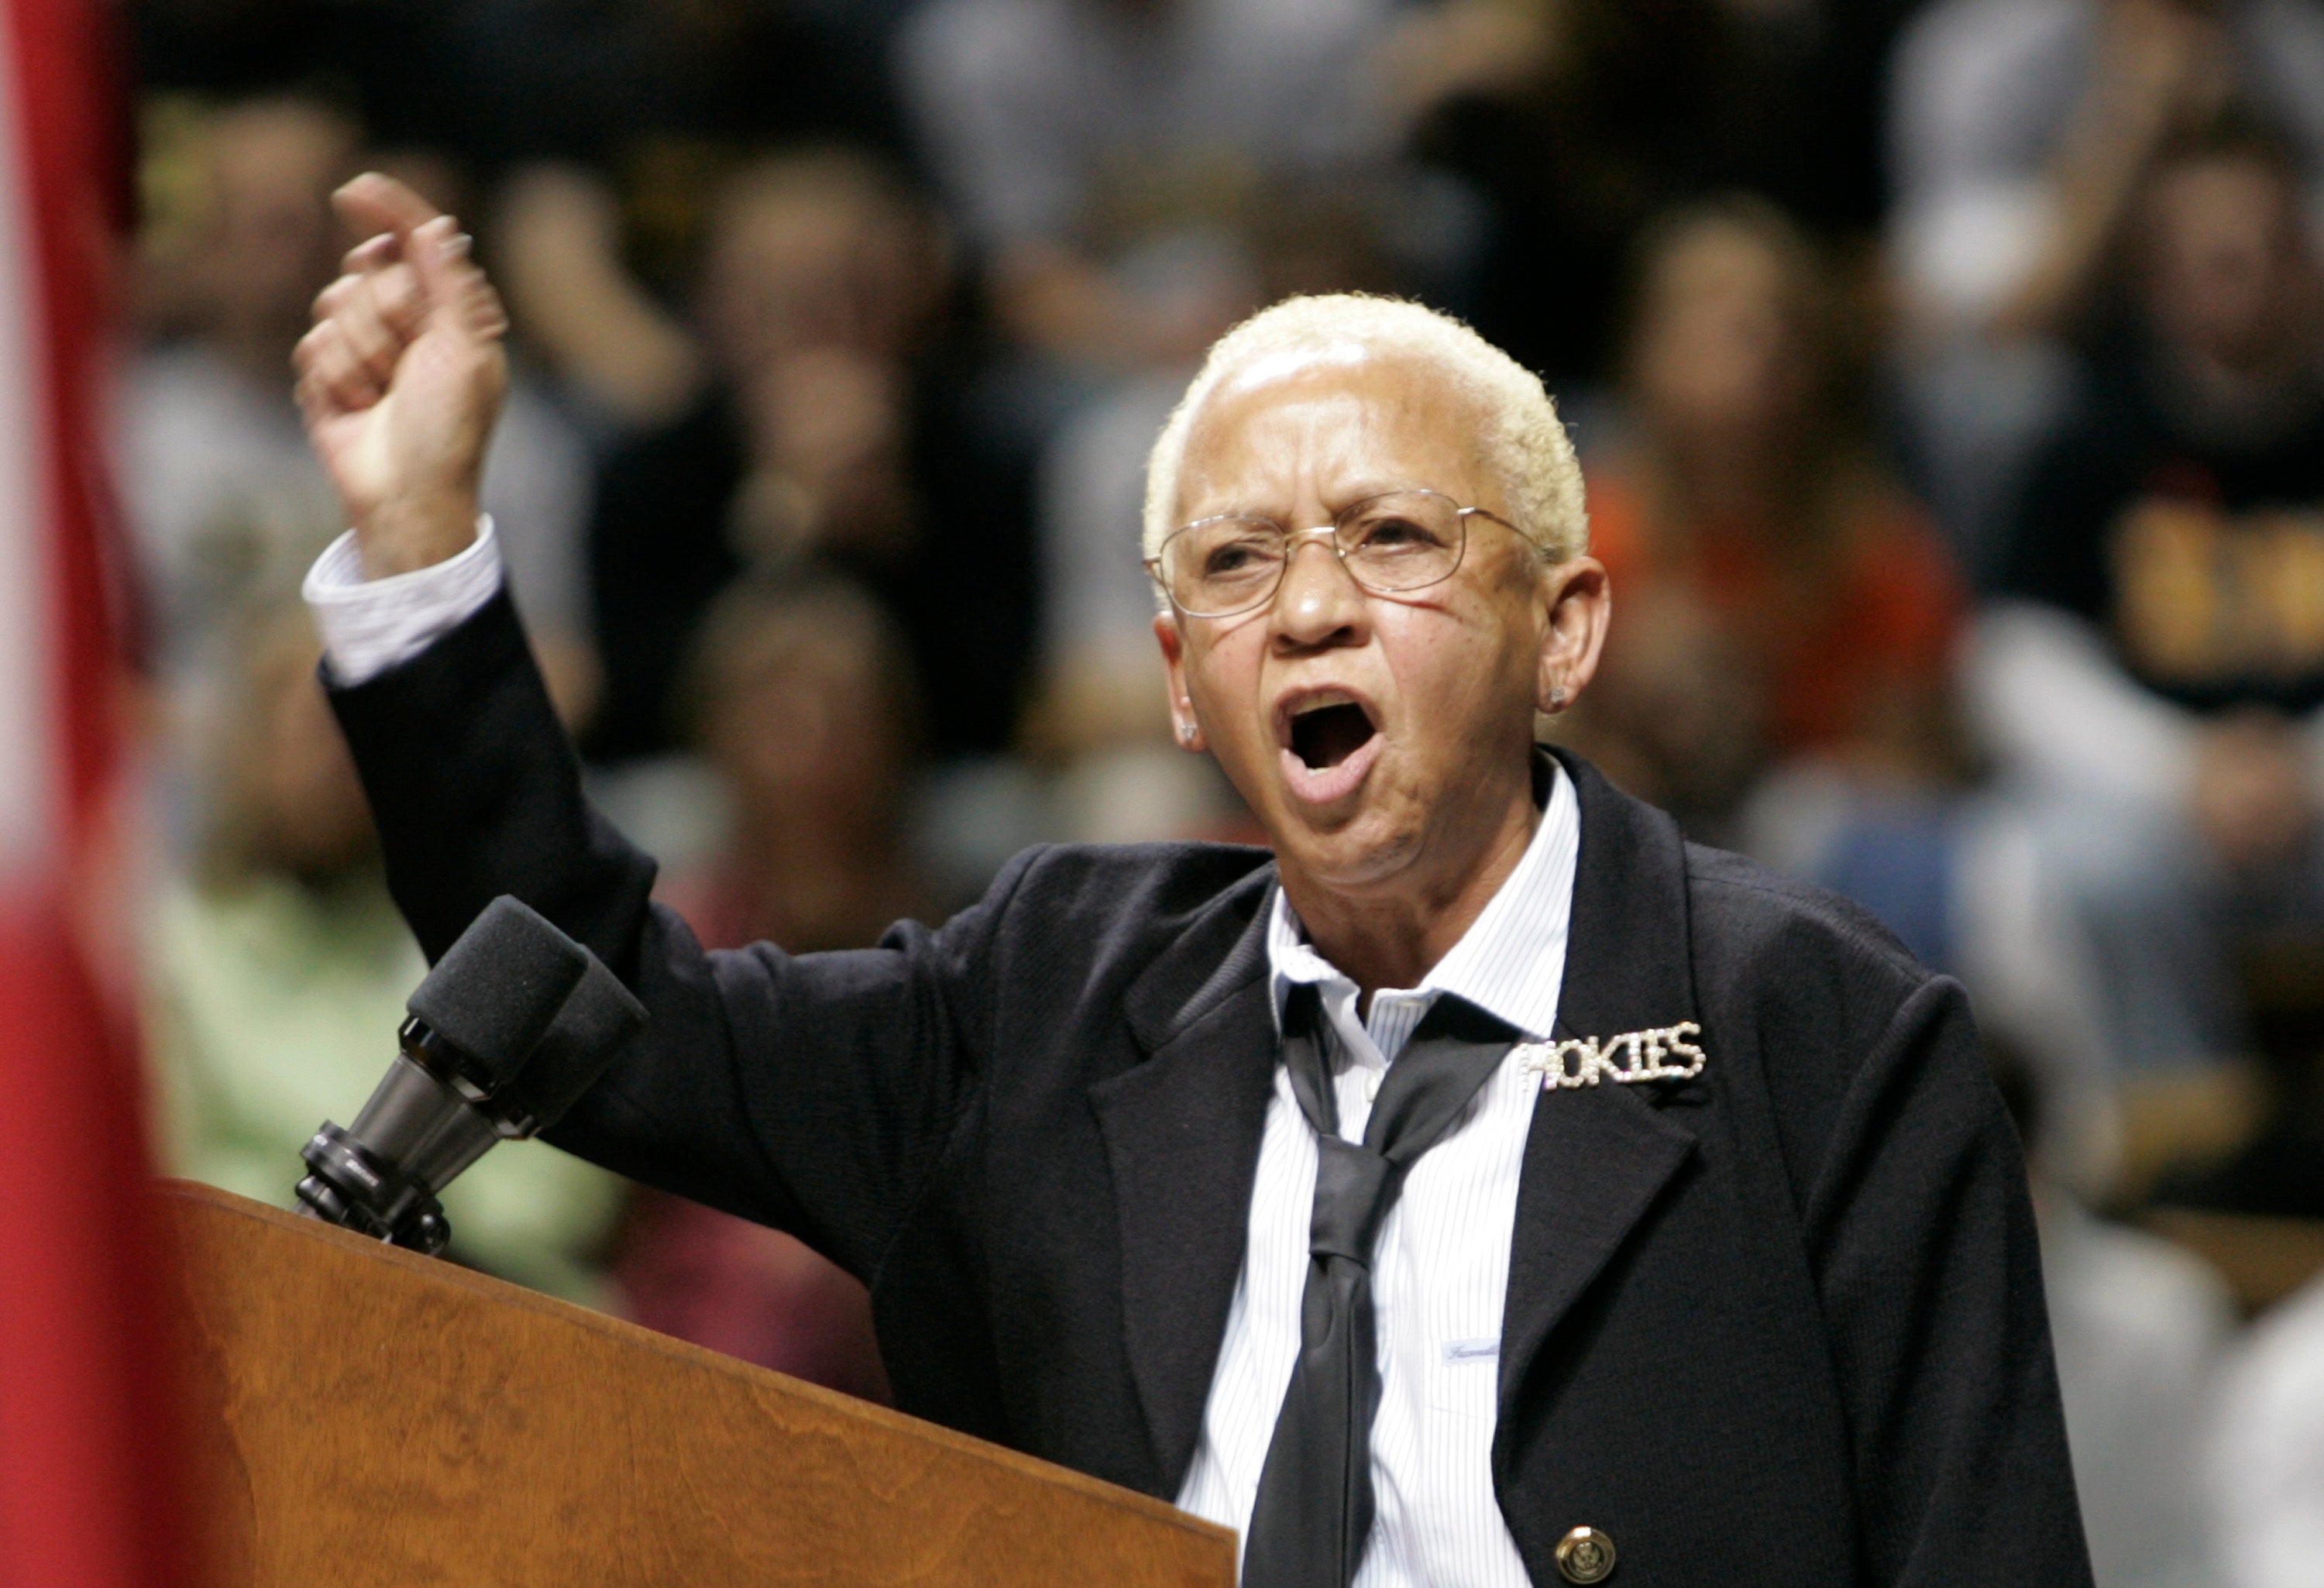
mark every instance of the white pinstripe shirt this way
{"type": "Point", "coordinates": [1441, 1270]}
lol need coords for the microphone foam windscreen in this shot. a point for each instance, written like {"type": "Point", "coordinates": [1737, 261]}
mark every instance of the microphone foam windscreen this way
{"type": "Point", "coordinates": [497, 990]}
{"type": "Point", "coordinates": [597, 1019]}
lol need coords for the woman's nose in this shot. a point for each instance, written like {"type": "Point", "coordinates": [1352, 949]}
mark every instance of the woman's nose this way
{"type": "Point", "coordinates": [1319, 598]}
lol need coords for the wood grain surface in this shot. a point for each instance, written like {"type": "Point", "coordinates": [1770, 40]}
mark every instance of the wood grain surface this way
{"type": "Point", "coordinates": [368, 1417]}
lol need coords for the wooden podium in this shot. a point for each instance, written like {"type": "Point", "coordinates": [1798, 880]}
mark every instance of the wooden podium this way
{"type": "Point", "coordinates": [366, 1417]}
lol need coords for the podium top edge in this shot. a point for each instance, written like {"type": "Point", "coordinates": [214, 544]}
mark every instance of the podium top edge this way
{"type": "Point", "coordinates": [197, 1199]}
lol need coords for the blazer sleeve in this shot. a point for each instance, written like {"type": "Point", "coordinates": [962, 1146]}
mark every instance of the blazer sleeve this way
{"type": "Point", "coordinates": [813, 1093]}
{"type": "Point", "coordinates": [1922, 1232]}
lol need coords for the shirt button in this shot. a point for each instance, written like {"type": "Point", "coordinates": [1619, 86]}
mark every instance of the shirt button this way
{"type": "Point", "coordinates": [1372, 1086]}
{"type": "Point", "coordinates": [1585, 1556]}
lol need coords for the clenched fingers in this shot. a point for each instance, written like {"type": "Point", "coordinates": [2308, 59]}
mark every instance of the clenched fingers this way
{"type": "Point", "coordinates": [379, 314]}
{"type": "Point", "coordinates": [332, 376]}
{"type": "Point", "coordinates": [374, 253]}
{"type": "Point", "coordinates": [443, 257]}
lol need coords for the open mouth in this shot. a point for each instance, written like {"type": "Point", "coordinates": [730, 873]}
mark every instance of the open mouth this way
{"type": "Point", "coordinates": [1327, 731]}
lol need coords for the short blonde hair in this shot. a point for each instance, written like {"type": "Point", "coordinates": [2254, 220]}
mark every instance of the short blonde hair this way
{"type": "Point", "coordinates": [1523, 442]}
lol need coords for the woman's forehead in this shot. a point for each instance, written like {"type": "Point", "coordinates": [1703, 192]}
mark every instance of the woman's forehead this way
{"type": "Point", "coordinates": [1331, 420]}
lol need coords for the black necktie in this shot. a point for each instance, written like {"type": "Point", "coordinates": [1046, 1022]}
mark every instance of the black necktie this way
{"type": "Point", "coordinates": [1314, 1514]}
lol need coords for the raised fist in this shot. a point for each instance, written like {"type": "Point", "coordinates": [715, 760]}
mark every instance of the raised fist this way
{"type": "Point", "coordinates": [402, 378]}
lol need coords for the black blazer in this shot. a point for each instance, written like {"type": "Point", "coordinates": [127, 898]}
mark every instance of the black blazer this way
{"type": "Point", "coordinates": [1781, 1323]}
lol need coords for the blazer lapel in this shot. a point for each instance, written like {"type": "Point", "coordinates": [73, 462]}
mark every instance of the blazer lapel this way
{"type": "Point", "coordinates": [1181, 1133]}
{"type": "Point", "coordinates": [1597, 1157]}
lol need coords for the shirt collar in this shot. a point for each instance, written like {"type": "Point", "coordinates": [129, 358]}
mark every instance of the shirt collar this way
{"type": "Point", "coordinates": [1511, 961]}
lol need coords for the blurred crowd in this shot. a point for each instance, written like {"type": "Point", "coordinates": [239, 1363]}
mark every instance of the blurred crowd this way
{"type": "Point", "coordinates": [1948, 375]}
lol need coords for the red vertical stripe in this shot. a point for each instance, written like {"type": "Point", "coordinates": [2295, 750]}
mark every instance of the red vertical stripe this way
{"type": "Point", "coordinates": [68, 135]}
{"type": "Point", "coordinates": [90, 1483]}
{"type": "Point", "coordinates": [89, 1469]}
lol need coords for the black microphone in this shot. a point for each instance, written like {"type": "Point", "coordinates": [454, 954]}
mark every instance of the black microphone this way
{"type": "Point", "coordinates": [511, 1028]}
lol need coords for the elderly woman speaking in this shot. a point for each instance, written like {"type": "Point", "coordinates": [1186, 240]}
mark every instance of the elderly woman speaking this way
{"type": "Point", "coordinates": [1479, 1185]}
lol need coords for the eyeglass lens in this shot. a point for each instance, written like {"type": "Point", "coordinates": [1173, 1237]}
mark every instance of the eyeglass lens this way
{"type": "Point", "coordinates": [1402, 541]}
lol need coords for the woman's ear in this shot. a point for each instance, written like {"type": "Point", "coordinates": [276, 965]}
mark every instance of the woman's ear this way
{"type": "Point", "coordinates": [1183, 724]}
{"type": "Point", "coordinates": [1581, 602]}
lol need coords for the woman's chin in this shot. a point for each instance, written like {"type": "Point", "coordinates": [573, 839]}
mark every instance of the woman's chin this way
{"type": "Point", "coordinates": [1363, 849]}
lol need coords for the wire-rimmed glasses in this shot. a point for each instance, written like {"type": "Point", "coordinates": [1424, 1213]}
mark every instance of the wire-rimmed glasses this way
{"type": "Point", "coordinates": [1390, 544]}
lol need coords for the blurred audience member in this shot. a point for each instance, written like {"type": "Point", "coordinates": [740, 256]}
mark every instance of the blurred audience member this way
{"type": "Point", "coordinates": [1099, 154]}
{"type": "Point", "coordinates": [624, 362]}
{"type": "Point", "coordinates": [2152, 686]}
{"type": "Point", "coordinates": [1782, 598]}
{"type": "Point", "coordinates": [802, 702]}
{"type": "Point", "coordinates": [2023, 128]}
{"type": "Point", "coordinates": [2277, 1171]}
{"type": "Point", "coordinates": [827, 434]}
{"type": "Point", "coordinates": [2020, 131]}
{"type": "Point", "coordinates": [1582, 120]}
{"type": "Point", "coordinates": [226, 499]}
{"type": "Point", "coordinates": [2266, 1477]}
{"type": "Point", "coordinates": [224, 494]}
{"type": "Point", "coordinates": [2139, 1326]}
{"type": "Point", "coordinates": [1780, 678]}
{"type": "Point", "coordinates": [279, 971]}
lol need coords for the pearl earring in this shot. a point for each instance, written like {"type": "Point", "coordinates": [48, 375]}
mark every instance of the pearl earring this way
{"type": "Point", "coordinates": [1557, 698]}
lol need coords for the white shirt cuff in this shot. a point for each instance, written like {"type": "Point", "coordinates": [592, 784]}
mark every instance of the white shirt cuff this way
{"type": "Point", "coordinates": [370, 626]}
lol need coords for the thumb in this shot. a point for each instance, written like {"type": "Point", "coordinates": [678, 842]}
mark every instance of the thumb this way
{"type": "Point", "coordinates": [372, 203]}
